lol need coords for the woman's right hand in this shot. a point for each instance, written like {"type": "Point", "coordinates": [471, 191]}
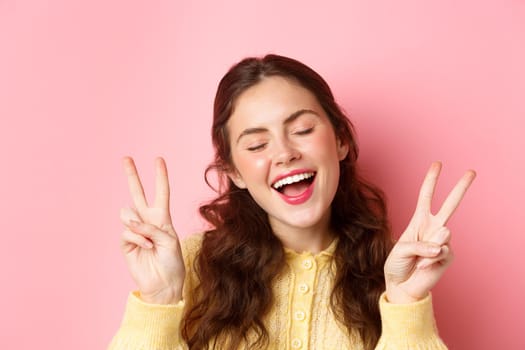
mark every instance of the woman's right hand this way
{"type": "Point", "coordinates": [149, 242]}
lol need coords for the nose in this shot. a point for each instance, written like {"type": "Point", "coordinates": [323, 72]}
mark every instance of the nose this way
{"type": "Point", "coordinates": [285, 153]}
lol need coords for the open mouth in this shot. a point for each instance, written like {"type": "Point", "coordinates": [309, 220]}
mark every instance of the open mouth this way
{"type": "Point", "coordinates": [294, 185]}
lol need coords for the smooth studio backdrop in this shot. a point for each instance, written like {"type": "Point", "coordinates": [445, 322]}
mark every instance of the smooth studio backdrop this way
{"type": "Point", "coordinates": [83, 83]}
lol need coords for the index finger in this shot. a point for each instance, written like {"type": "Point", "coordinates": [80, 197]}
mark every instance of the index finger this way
{"type": "Point", "coordinates": [455, 196]}
{"type": "Point", "coordinates": [135, 186]}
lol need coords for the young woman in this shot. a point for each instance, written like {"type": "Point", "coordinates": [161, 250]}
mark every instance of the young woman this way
{"type": "Point", "coordinates": [300, 254]}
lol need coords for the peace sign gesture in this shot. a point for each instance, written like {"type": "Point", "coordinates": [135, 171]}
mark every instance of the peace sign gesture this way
{"type": "Point", "coordinates": [149, 242]}
{"type": "Point", "coordinates": [423, 253]}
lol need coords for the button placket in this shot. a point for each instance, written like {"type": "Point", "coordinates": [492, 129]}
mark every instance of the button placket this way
{"type": "Point", "coordinates": [305, 269]}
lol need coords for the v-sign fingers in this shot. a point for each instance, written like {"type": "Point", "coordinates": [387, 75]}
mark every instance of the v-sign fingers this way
{"type": "Point", "coordinates": [162, 195]}
{"type": "Point", "coordinates": [426, 193]}
{"type": "Point", "coordinates": [455, 196]}
{"type": "Point", "coordinates": [135, 186]}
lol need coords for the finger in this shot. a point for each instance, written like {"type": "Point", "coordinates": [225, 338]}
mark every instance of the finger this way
{"type": "Point", "coordinates": [135, 186]}
{"type": "Point", "coordinates": [149, 231]}
{"type": "Point", "coordinates": [162, 195]}
{"type": "Point", "coordinates": [441, 236]}
{"type": "Point", "coordinates": [417, 249]}
{"type": "Point", "coordinates": [444, 258]}
{"type": "Point", "coordinates": [131, 239]}
{"type": "Point", "coordinates": [424, 201]}
{"type": "Point", "coordinates": [128, 214]}
{"type": "Point", "coordinates": [455, 196]}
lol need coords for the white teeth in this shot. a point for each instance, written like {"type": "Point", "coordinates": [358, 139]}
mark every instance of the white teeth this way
{"type": "Point", "coordinates": [292, 179]}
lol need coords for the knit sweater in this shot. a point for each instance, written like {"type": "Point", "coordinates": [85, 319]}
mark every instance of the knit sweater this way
{"type": "Point", "coordinates": [299, 319]}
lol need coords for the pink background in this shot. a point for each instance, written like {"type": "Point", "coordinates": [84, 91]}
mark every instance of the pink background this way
{"type": "Point", "coordinates": [84, 83]}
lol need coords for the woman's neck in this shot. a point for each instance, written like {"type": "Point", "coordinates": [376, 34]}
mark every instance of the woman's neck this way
{"type": "Point", "coordinates": [300, 239]}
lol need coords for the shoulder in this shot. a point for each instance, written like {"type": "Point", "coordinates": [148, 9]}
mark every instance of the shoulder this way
{"type": "Point", "coordinates": [192, 242]}
{"type": "Point", "coordinates": [190, 246]}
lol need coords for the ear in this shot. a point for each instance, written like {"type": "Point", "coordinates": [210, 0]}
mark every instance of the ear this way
{"type": "Point", "coordinates": [237, 179]}
{"type": "Point", "coordinates": [342, 149]}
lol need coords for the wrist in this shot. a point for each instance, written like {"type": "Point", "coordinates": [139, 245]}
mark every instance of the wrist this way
{"type": "Point", "coordinates": [396, 295]}
{"type": "Point", "coordinates": [164, 297]}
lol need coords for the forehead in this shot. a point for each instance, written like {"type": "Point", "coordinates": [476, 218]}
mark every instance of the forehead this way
{"type": "Point", "coordinates": [271, 101]}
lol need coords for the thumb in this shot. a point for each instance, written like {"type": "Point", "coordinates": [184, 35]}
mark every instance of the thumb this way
{"type": "Point", "coordinates": [417, 249]}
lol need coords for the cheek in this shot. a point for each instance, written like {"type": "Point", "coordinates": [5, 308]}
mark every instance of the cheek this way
{"type": "Point", "coordinates": [323, 146]}
{"type": "Point", "coordinates": [251, 166]}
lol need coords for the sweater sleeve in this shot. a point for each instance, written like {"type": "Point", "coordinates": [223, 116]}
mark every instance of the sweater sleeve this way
{"type": "Point", "coordinates": [149, 326]}
{"type": "Point", "coordinates": [157, 327]}
{"type": "Point", "coordinates": [408, 326]}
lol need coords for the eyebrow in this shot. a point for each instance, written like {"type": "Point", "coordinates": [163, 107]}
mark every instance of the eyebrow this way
{"type": "Point", "coordinates": [288, 120]}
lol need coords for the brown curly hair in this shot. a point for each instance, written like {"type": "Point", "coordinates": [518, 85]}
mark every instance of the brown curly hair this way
{"type": "Point", "coordinates": [240, 255]}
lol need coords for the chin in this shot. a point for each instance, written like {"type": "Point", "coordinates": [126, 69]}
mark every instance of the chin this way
{"type": "Point", "coordinates": [305, 220]}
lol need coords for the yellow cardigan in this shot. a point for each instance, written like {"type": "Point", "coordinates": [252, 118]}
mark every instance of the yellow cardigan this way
{"type": "Point", "coordinates": [299, 319]}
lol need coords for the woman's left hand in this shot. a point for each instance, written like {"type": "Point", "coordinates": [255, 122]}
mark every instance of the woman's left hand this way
{"type": "Point", "coordinates": [423, 253]}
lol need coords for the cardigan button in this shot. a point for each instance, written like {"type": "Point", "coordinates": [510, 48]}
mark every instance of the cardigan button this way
{"type": "Point", "coordinates": [303, 288]}
{"type": "Point", "coordinates": [308, 264]}
{"type": "Point", "coordinates": [297, 343]}
{"type": "Point", "coordinates": [299, 315]}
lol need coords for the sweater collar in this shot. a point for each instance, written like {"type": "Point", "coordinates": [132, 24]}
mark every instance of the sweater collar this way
{"type": "Point", "coordinates": [328, 252]}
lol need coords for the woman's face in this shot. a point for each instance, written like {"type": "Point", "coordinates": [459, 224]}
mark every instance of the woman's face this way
{"type": "Point", "coordinates": [285, 153]}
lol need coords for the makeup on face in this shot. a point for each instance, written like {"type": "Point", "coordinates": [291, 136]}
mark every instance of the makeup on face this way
{"type": "Point", "coordinates": [285, 152]}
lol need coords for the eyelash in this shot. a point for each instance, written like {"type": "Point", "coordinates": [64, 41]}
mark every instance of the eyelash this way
{"type": "Point", "coordinates": [256, 148]}
{"type": "Point", "coordinates": [262, 145]}
{"type": "Point", "coordinates": [304, 131]}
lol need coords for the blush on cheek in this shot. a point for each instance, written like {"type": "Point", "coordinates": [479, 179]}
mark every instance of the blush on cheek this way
{"type": "Point", "coordinates": [253, 169]}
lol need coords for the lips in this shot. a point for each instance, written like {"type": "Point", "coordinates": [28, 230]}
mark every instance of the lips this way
{"type": "Point", "coordinates": [295, 187]}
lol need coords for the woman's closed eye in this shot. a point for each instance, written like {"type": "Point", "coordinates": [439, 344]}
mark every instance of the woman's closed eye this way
{"type": "Point", "coordinates": [256, 147]}
{"type": "Point", "coordinates": [304, 131]}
